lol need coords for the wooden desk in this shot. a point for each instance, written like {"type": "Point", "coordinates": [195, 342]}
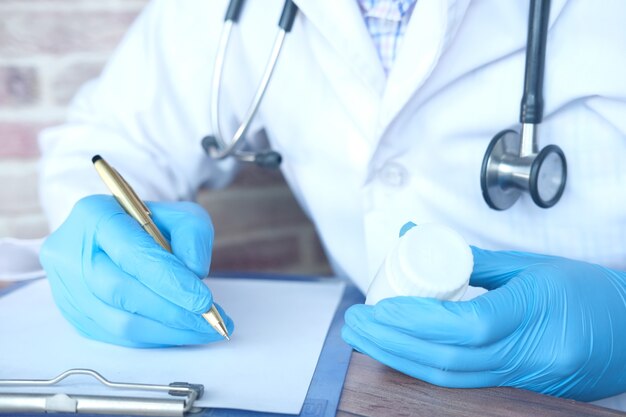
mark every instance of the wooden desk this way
{"type": "Point", "coordinates": [374, 390]}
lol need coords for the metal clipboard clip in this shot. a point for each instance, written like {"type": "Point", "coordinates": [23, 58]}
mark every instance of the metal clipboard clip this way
{"type": "Point", "coordinates": [98, 404]}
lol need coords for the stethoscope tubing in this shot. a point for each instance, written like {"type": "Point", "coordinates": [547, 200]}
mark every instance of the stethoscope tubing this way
{"type": "Point", "coordinates": [531, 107]}
{"type": "Point", "coordinates": [226, 149]}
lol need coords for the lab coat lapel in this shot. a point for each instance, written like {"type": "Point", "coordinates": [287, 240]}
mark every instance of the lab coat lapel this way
{"type": "Point", "coordinates": [433, 23]}
{"type": "Point", "coordinates": [348, 57]}
{"type": "Point", "coordinates": [342, 25]}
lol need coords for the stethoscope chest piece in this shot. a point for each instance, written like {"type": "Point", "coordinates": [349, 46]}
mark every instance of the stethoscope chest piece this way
{"type": "Point", "coordinates": [512, 163]}
{"type": "Point", "coordinates": [505, 174]}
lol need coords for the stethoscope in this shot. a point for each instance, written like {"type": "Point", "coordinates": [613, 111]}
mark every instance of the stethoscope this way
{"type": "Point", "coordinates": [512, 163]}
{"type": "Point", "coordinates": [215, 145]}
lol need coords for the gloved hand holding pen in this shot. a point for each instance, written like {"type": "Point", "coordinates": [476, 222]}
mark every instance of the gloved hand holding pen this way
{"type": "Point", "coordinates": [114, 283]}
{"type": "Point", "coordinates": [548, 324]}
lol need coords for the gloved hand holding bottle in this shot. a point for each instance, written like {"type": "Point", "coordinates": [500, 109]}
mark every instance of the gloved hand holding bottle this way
{"type": "Point", "coordinates": [548, 324]}
{"type": "Point", "coordinates": [114, 283]}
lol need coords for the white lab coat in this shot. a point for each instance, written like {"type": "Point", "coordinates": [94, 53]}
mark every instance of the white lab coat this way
{"type": "Point", "coordinates": [363, 154]}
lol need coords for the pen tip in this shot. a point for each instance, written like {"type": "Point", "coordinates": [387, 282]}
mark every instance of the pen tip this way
{"type": "Point", "coordinates": [227, 338]}
{"type": "Point", "coordinates": [96, 158]}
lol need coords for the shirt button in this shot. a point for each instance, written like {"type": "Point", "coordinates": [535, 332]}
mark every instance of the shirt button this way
{"type": "Point", "coordinates": [393, 174]}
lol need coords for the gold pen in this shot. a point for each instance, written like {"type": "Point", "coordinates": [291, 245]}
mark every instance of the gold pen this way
{"type": "Point", "coordinates": [133, 205]}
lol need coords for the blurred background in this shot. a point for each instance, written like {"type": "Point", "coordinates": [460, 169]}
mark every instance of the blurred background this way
{"type": "Point", "coordinates": [48, 49]}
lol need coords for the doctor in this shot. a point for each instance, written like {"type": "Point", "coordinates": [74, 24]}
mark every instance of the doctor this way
{"type": "Point", "coordinates": [382, 111]}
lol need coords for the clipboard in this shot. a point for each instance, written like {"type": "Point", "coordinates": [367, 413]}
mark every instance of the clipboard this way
{"type": "Point", "coordinates": [321, 400]}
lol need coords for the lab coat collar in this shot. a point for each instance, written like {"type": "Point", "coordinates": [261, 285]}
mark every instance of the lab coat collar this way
{"type": "Point", "coordinates": [432, 24]}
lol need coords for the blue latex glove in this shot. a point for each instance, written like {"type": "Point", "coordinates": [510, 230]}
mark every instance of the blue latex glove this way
{"type": "Point", "coordinates": [548, 324]}
{"type": "Point", "coordinates": [114, 283]}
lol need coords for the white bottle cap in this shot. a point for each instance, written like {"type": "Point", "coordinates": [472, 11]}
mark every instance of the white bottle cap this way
{"type": "Point", "coordinates": [430, 260]}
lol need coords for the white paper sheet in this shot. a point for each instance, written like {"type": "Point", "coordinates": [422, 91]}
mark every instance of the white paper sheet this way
{"type": "Point", "coordinates": [267, 366]}
{"type": "Point", "coordinates": [19, 259]}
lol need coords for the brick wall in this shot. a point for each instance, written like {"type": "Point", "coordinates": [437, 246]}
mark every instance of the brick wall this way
{"type": "Point", "coordinates": [48, 48]}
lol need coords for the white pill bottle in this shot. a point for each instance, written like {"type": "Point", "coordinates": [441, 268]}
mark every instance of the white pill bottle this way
{"type": "Point", "coordinates": [429, 260]}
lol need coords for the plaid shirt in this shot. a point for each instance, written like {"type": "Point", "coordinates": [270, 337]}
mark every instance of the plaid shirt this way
{"type": "Point", "coordinates": [386, 21]}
